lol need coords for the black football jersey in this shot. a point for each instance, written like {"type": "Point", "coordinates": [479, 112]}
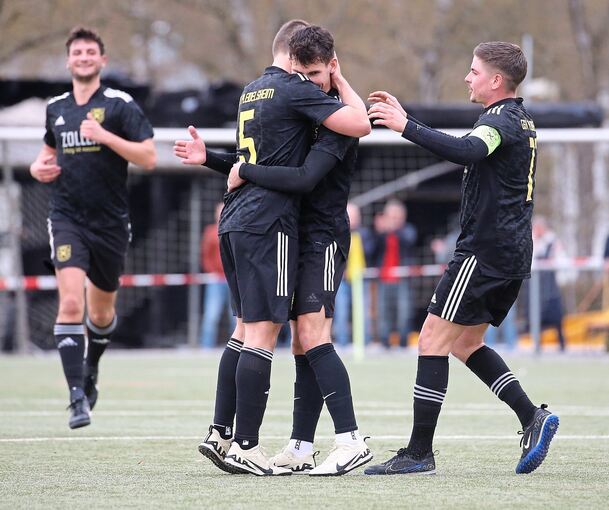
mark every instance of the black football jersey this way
{"type": "Point", "coordinates": [91, 188]}
{"type": "Point", "coordinates": [323, 215]}
{"type": "Point", "coordinates": [497, 195]}
{"type": "Point", "coordinates": [277, 113]}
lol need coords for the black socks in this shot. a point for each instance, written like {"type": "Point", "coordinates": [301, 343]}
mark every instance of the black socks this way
{"type": "Point", "coordinates": [308, 401]}
{"type": "Point", "coordinates": [493, 371]}
{"type": "Point", "coordinates": [253, 381]}
{"type": "Point", "coordinates": [226, 389]}
{"type": "Point", "coordinates": [429, 393]}
{"type": "Point", "coordinates": [333, 381]}
{"type": "Point", "coordinates": [70, 341]}
{"type": "Point", "coordinates": [99, 339]}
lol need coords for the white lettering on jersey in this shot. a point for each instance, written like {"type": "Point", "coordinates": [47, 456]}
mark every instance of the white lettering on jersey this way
{"type": "Point", "coordinates": [75, 139]}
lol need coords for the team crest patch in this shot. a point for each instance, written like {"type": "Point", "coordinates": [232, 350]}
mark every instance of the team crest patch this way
{"type": "Point", "coordinates": [64, 252]}
{"type": "Point", "coordinates": [99, 114]}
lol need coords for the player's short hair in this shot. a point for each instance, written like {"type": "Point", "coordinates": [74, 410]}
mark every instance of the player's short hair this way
{"type": "Point", "coordinates": [282, 38]}
{"type": "Point", "coordinates": [507, 58]}
{"type": "Point", "coordinates": [312, 44]}
{"type": "Point", "coordinates": [87, 34]}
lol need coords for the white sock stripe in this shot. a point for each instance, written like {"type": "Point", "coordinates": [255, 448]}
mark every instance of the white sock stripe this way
{"type": "Point", "coordinates": [505, 383]}
{"type": "Point", "coordinates": [454, 286]}
{"type": "Point", "coordinates": [458, 286]}
{"type": "Point", "coordinates": [69, 329]}
{"type": "Point", "coordinates": [432, 399]}
{"type": "Point", "coordinates": [262, 353]}
{"type": "Point", "coordinates": [499, 380]}
{"type": "Point", "coordinates": [233, 344]}
{"type": "Point", "coordinates": [427, 390]}
{"type": "Point", "coordinates": [102, 331]}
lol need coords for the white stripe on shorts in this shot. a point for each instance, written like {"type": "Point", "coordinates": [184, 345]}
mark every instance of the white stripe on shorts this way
{"type": "Point", "coordinates": [50, 229]}
{"type": "Point", "coordinates": [282, 264]}
{"type": "Point", "coordinates": [458, 288]}
{"type": "Point", "coordinates": [329, 267]}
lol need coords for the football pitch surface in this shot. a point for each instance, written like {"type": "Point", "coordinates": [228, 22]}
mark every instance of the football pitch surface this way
{"type": "Point", "coordinates": [154, 407]}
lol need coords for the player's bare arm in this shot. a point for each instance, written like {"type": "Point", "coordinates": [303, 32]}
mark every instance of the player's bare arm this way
{"type": "Point", "coordinates": [351, 120]}
{"type": "Point", "coordinates": [44, 168]}
{"type": "Point", "coordinates": [139, 153]}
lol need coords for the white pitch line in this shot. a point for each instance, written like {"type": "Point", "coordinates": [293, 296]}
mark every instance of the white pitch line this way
{"type": "Point", "coordinates": [320, 438]}
{"type": "Point", "coordinates": [594, 413]}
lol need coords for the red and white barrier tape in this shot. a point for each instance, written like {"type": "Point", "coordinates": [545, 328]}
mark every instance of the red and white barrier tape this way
{"type": "Point", "coordinates": [182, 279]}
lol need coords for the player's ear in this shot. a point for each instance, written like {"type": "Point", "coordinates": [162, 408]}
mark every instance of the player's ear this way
{"type": "Point", "coordinates": [333, 63]}
{"type": "Point", "coordinates": [497, 81]}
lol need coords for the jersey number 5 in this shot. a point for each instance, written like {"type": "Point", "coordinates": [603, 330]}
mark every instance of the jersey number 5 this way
{"type": "Point", "coordinates": [246, 142]}
{"type": "Point", "coordinates": [533, 145]}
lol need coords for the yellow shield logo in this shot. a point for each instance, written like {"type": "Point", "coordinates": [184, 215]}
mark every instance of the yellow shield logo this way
{"type": "Point", "coordinates": [64, 252]}
{"type": "Point", "coordinates": [99, 114]}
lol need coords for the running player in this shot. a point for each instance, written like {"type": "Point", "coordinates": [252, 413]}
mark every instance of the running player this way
{"type": "Point", "coordinates": [492, 257]}
{"type": "Point", "coordinates": [324, 245]}
{"type": "Point", "coordinates": [92, 133]}
{"type": "Point", "coordinates": [259, 230]}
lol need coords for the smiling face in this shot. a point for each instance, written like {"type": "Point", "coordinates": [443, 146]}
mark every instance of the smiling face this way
{"type": "Point", "coordinates": [483, 82]}
{"type": "Point", "coordinates": [85, 60]}
{"type": "Point", "coordinates": [319, 72]}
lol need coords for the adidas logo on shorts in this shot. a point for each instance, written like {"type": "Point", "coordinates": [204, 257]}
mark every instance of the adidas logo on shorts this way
{"type": "Point", "coordinates": [433, 298]}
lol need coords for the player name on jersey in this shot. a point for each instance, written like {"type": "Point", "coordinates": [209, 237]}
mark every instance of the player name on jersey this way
{"type": "Point", "coordinates": [256, 95]}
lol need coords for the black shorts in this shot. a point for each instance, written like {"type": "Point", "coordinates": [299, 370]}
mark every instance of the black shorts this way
{"type": "Point", "coordinates": [320, 271]}
{"type": "Point", "coordinates": [261, 273]}
{"type": "Point", "coordinates": [99, 253]}
{"type": "Point", "coordinates": [465, 296]}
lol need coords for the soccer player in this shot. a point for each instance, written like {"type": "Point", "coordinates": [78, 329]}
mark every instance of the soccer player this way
{"type": "Point", "coordinates": [258, 241]}
{"type": "Point", "coordinates": [92, 133]}
{"type": "Point", "coordinates": [324, 238]}
{"type": "Point", "coordinates": [492, 257]}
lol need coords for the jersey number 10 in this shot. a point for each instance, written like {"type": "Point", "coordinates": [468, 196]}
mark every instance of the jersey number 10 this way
{"type": "Point", "coordinates": [246, 142]}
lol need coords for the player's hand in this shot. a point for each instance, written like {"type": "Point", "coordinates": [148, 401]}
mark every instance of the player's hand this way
{"type": "Point", "coordinates": [191, 152]}
{"type": "Point", "coordinates": [93, 130]}
{"type": "Point", "coordinates": [45, 169]}
{"type": "Point", "coordinates": [380, 96]}
{"type": "Point", "coordinates": [383, 114]}
{"type": "Point", "coordinates": [234, 181]}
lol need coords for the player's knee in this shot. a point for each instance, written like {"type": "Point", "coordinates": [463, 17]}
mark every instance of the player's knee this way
{"type": "Point", "coordinates": [71, 309]}
{"type": "Point", "coordinates": [101, 318]}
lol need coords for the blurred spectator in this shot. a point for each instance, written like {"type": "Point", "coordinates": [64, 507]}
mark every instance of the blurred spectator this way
{"type": "Point", "coordinates": [361, 248]}
{"type": "Point", "coordinates": [443, 248]}
{"type": "Point", "coordinates": [546, 246]}
{"type": "Point", "coordinates": [394, 244]}
{"type": "Point", "coordinates": [508, 331]}
{"type": "Point", "coordinates": [216, 299]}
